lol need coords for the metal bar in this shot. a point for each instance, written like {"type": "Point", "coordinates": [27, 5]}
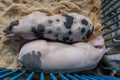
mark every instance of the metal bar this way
{"type": "Point", "coordinates": [42, 76]}
{"type": "Point", "coordinates": [110, 31]}
{"type": "Point", "coordinates": [113, 45]}
{"type": "Point", "coordinates": [110, 68]}
{"type": "Point", "coordinates": [115, 22]}
{"type": "Point", "coordinates": [117, 7]}
{"type": "Point", "coordinates": [110, 18]}
{"type": "Point", "coordinates": [115, 52]}
{"type": "Point", "coordinates": [4, 71]}
{"type": "Point", "coordinates": [101, 77]}
{"type": "Point", "coordinates": [53, 76]}
{"type": "Point", "coordinates": [111, 38]}
{"type": "Point", "coordinates": [113, 3]}
{"type": "Point", "coordinates": [8, 74]}
{"type": "Point", "coordinates": [71, 77]}
{"type": "Point", "coordinates": [112, 61]}
{"type": "Point", "coordinates": [109, 77]}
{"type": "Point", "coordinates": [106, 4]}
{"type": "Point", "coordinates": [1, 69]}
{"type": "Point", "coordinates": [96, 77]}
{"type": "Point", "coordinates": [30, 76]}
{"type": "Point", "coordinates": [80, 77]}
{"type": "Point", "coordinates": [90, 78]}
{"type": "Point", "coordinates": [18, 75]}
{"type": "Point", "coordinates": [62, 76]}
{"type": "Point", "coordinates": [103, 1]}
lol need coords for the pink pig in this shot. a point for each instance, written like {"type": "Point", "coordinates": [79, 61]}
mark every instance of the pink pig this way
{"type": "Point", "coordinates": [41, 55]}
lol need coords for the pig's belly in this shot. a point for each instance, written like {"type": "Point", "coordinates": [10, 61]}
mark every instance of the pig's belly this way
{"type": "Point", "coordinates": [68, 60]}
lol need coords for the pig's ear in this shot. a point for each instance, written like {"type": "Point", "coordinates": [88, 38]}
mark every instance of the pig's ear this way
{"type": "Point", "coordinates": [12, 24]}
{"type": "Point", "coordinates": [15, 23]}
{"type": "Point", "coordinates": [98, 42]}
{"type": "Point", "coordinates": [13, 36]}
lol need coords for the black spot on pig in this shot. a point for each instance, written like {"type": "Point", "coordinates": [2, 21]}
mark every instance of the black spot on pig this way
{"type": "Point", "coordinates": [57, 20]}
{"type": "Point", "coordinates": [50, 21]}
{"type": "Point", "coordinates": [74, 22]}
{"type": "Point", "coordinates": [32, 60]}
{"type": "Point", "coordinates": [41, 28]}
{"type": "Point", "coordinates": [92, 28]}
{"type": "Point", "coordinates": [65, 38]}
{"type": "Point", "coordinates": [71, 40]}
{"type": "Point", "coordinates": [88, 33]}
{"type": "Point", "coordinates": [84, 22]}
{"type": "Point", "coordinates": [69, 21]}
{"type": "Point", "coordinates": [37, 32]}
{"type": "Point", "coordinates": [70, 32]}
{"type": "Point", "coordinates": [49, 31]}
{"type": "Point", "coordinates": [83, 30]}
{"type": "Point", "coordinates": [83, 38]}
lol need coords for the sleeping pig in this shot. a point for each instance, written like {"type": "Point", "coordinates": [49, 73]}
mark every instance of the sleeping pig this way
{"type": "Point", "coordinates": [40, 55]}
{"type": "Point", "coordinates": [64, 27]}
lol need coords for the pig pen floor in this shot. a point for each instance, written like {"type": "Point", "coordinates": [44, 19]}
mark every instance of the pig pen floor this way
{"type": "Point", "coordinates": [14, 9]}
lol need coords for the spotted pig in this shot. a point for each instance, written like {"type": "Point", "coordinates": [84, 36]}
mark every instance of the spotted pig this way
{"type": "Point", "coordinates": [64, 27]}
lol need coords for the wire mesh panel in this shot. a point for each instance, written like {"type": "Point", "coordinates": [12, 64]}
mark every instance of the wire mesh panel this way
{"type": "Point", "coordinates": [18, 74]}
{"type": "Point", "coordinates": [110, 9]}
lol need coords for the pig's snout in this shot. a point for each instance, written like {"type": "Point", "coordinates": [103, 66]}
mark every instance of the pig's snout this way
{"type": "Point", "coordinates": [8, 29]}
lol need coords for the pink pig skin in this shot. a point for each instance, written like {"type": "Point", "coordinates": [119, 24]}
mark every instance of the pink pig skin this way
{"type": "Point", "coordinates": [53, 56]}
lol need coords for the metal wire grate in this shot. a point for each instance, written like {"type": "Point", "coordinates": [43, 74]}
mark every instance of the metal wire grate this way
{"type": "Point", "coordinates": [111, 19]}
{"type": "Point", "coordinates": [18, 74]}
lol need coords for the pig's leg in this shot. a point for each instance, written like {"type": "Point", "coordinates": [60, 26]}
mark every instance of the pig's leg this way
{"type": "Point", "coordinates": [13, 36]}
